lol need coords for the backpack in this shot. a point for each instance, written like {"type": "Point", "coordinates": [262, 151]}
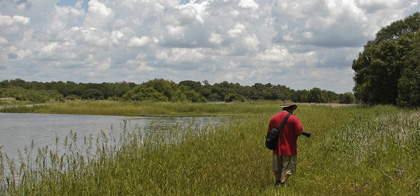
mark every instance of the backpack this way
{"type": "Point", "coordinates": [271, 139]}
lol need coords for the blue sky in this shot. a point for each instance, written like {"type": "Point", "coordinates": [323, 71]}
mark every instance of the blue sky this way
{"type": "Point", "coordinates": [298, 43]}
{"type": "Point", "coordinates": [73, 3]}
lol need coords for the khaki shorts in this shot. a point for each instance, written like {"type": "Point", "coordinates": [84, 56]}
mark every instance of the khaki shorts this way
{"type": "Point", "coordinates": [284, 164]}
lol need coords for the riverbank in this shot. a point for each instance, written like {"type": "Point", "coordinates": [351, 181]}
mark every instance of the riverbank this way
{"type": "Point", "coordinates": [118, 108]}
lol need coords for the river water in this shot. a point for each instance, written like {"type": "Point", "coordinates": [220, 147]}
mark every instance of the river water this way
{"type": "Point", "coordinates": [20, 130]}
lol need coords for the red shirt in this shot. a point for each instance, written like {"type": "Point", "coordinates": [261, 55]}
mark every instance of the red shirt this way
{"type": "Point", "coordinates": [288, 135]}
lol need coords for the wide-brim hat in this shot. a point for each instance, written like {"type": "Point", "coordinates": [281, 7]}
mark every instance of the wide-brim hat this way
{"type": "Point", "coordinates": [289, 105]}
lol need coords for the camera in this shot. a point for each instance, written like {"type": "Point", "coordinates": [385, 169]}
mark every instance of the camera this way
{"type": "Point", "coordinates": [307, 134]}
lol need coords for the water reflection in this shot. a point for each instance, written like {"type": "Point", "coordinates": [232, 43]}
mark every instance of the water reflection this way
{"type": "Point", "coordinates": [18, 130]}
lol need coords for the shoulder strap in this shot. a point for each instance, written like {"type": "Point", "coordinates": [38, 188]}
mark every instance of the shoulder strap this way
{"type": "Point", "coordinates": [284, 121]}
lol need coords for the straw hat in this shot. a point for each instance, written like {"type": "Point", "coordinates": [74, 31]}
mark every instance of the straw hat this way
{"type": "Point", "coordinates": [289, 105]}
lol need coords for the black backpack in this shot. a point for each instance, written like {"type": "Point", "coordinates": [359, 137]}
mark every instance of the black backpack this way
{"type": "Point", "coordinates": [271, 138]}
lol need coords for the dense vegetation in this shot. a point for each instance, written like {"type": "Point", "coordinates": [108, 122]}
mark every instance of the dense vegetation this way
{"type": "Point", "coordinates": [352, 151]}
{"type": "Point", "coordinates": [388, 70]}
{"type": "Point", "coordinates": [164, 90]}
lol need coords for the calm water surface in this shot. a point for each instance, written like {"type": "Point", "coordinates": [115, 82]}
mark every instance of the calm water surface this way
{"type": "Point", "coordinates": [18, 130]}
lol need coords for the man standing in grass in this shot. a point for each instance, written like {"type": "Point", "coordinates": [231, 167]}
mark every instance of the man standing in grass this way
{"type": "Point", "coordinates": [284, 157]}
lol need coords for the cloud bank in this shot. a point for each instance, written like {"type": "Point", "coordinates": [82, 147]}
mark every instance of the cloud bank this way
{"type": "Point", "coordinates": [300, 44]}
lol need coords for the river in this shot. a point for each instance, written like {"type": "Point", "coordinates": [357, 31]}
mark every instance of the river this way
{"type": "Point", "coordinates": [20, 130]}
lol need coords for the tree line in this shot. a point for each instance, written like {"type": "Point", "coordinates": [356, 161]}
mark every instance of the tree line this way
{"type": "Point", "coordinates": [388, 69]}
{"type": "Point", "coordinates": [164, 90]}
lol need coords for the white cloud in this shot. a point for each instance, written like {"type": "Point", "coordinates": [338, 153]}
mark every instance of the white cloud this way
{"type": "Point", "coordinates": [99, 15]}
{"type": "Point", "coordinates": [116, 36]}
{"type": "Point", "coordinates": [248, 4]}
{"type": "Point", "coordinates": [245, 41]}
{"type": "Point", "coordinates": [276, 54]}
{"type": "Point", "coordinates": [3, 41]}
{"type": "Point", "coordinates": [252, 42]}
{"type": "Point", "coordinates": [215, 39]}
{"type": "Point", "coordinates": [105, 64]}
{"type": "Point", "coordinates": [136, 42]}
{"type": "Point", "coordinates": [193, 9]}
{"type": "Point", "coordinates": [239, 29]}
{"type": "Point", "coordinates": [49, 49]}
{"type": "Point", "coordinates": [11, 20]}
{"type": "Point", "coordinates": [91, 35]}
{"type": "Point", "coordinates": [185, 55]}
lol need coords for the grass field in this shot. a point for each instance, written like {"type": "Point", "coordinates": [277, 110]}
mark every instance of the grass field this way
{"type": "Point", "coordinates": [353, 150]}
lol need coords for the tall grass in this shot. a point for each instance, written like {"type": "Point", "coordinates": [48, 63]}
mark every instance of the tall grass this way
{"type": "Point", "coordinates": [148, 108]}
{"type": "Point", "coordinates": [373, 153]}
{"type": "Point", "coordinates": [352, 151]}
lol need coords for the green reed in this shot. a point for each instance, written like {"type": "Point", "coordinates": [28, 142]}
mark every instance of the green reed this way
{"type": "Point", "coordinates": [103, 107]}
{"type": "Point", "coordinates": [352, 151]}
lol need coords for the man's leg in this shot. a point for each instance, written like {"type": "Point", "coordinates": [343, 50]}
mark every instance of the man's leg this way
{"type": "Point", "coordinates": [277, 168]}
{"type": "Point", "coordinates": [289, 167]}
{"type": "Point", "coordinates": [279, 179]}
{"type": "Point", "coordinates": [277, 175]}
{"type": "Point", "coordinates": [284, 177]}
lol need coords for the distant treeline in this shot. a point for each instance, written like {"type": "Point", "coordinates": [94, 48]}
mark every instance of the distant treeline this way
{"type": "Point", "coordinates": [164, 90]}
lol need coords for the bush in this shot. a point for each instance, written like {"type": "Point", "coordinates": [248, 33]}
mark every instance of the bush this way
{"type": "Point", "coordinates": [92, 94]}
{"type": "Point", "coordinates": [141, 93]}
{"type": "Point", "coordinates": [234, 98]}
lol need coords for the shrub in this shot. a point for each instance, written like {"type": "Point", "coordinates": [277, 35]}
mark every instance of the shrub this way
{"type": "Point", "coordinates": [234, 98]}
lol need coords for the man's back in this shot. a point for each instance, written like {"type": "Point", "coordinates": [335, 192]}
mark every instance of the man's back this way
{"type": "Point", "coordinates": [288, 135]}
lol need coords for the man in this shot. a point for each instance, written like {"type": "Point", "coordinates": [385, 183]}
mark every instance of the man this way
{"type": "Point", "coordinates": [284, 158]}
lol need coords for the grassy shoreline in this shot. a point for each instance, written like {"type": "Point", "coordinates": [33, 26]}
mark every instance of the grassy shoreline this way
{"type": "Point", "coordinates": [117, 108]}
{"type": "Point", "coordinates": [352, 151]}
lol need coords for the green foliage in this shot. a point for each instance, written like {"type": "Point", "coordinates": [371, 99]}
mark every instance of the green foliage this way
{"type": "Point", "coordinates": [74, 90]}
{"type": "Point", "coordinates": [192, 95]}
{"type": "Point", "coordinates": [196, 86]}
{"type": "Point", "coordinates": [92, 94]}
{"type": "Point", "coordinates": [315, 95]}
{"type": "Point", "coordinates": [234, 98]}
{"type": "Point", "coordinates": [36, 96]}
{"type": "Point", "coordinates": [399, 28]}
{"type": "Point", "coordinates": [142, 93]}
{"type": "Point", "coordinates": [347, 98]}
{"type": "Point", "coordinates": [409, 83]}
{"type": "Point", "coordinates": [184, 91]}
{"type": "Point", "coordinates": [163, 90]}
{"type": "Point", "coordinates": [385, 72]}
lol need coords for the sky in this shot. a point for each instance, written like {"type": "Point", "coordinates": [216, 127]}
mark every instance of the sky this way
{"type": "Point", "coordinates": [297, 43]}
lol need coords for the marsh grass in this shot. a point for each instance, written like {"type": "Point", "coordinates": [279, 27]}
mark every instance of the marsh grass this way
{"type": "Point", "coordinates": [22, 108]}
{"type": "Point", "coordinates": [352, 151]}
{"type": "Point", "coordinates": [149, 108]}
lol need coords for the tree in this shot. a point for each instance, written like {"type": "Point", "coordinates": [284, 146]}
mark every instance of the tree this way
{"type": "Point", "coordinates": [409, 83]}
{"type": "Point", "coordinates": [143, 93]}
{"type": "Point", "coordinates": [315, 96]}
{"type": "Point", "coordinates": [301, 96]}
{"type": "Point", "coordinates": [234, 98]}
{"type": "Point", "coordinates": [92, 94]}
{"type": "Point", "coordinates": [163, 90]}
{"type": "Point", "coordinates": [154, 90]}
{"type": "Point", "coordinates": [347, 98]}
{"type": "Point", "coordinates": [192, 84]}
{"type": "Point", "coordinates": [192, 95]}
{"type": "Point", "coordinates": [379, 68]}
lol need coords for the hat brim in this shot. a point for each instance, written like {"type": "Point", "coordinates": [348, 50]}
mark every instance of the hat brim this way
{"type": "Point", "coordinates": [292, 106]}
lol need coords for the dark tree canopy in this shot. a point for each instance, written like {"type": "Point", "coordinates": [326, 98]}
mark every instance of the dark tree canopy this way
{"type": "Point", "coordinates": [385, 72]}
{"type": "Point", "coordinates": [164, 90]}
